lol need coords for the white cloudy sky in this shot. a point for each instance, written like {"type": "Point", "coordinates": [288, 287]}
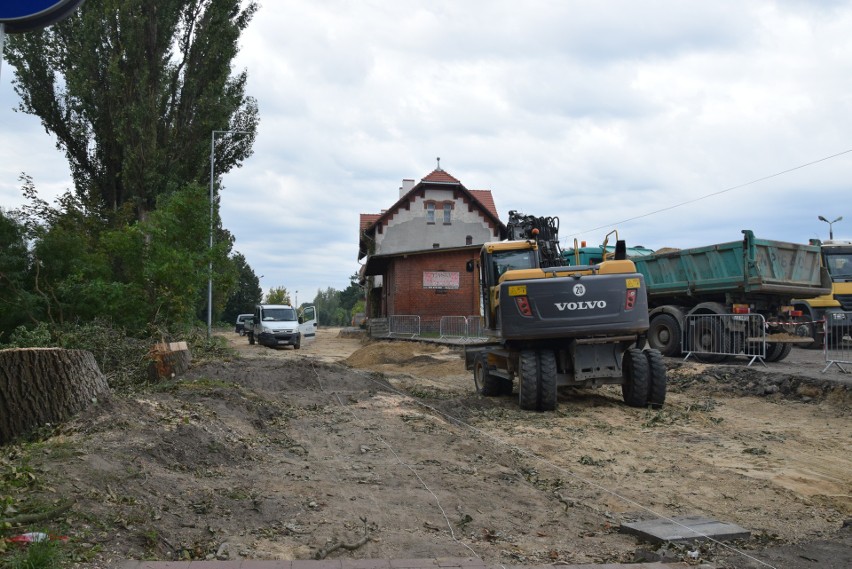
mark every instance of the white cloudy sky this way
{"type": "Point", "coordinates": [608, 114]}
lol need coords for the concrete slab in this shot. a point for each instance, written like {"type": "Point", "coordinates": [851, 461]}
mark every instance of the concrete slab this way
{"type": "Point", "coordinates": [685, 528]}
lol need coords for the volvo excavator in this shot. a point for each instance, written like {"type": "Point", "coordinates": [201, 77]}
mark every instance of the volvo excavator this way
{"type": "Point", "coordinates": [550, 325]}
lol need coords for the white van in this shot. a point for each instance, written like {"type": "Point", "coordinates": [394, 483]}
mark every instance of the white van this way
{"type": "Point", "coordinates": [277, 325]}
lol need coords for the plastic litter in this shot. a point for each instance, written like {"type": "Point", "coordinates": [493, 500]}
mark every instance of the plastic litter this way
{"type": "Point", "coordinates": [35, 537]}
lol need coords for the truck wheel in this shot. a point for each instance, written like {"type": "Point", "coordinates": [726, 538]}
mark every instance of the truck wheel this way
{"type": "Point", "coordinates": [664, 334]}
{"type": "Point", "coordinates": [251, 339]}
{"type": "Point", "coordinates": [708, 335]}
{"type": "Point", "coordinates": [775, 352]}
{"type": "Point", "coordinates": [636, 376]}
{"type": "Point", "coordinates": [807, 328]}
{"type": "Point", "coordinates": [486, 384]}
{"type": "Point", "coordinates": [656, 378]}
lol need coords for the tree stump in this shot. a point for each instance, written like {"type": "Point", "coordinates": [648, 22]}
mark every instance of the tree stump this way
{"type": "Point", "coordinates": [45, 385]}
{"type": "Point", "coordinates": [168, 360]}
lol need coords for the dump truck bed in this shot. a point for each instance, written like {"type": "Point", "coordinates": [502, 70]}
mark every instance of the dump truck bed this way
{"type": "Point", "coordinates": [750, 266]}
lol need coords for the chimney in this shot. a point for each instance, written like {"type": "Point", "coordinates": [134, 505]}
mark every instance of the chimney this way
{"type": "Point", "coordinates": [405, 187]}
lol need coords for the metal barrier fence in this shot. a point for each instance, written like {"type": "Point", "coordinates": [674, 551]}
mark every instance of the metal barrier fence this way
{"type": "Point", "coordinates": [838, 342]}
{"type": "Point", "coordinates": [474, 327]}
{"type": "Point", "coordinates": [464, 328]}
{"type": "Point", "coordinates": [404, 325]}
{"type": "Point", "coordinates": [713, 338]}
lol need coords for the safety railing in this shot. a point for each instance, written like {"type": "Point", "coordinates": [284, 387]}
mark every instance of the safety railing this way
{"type": "Point", "coordinates": [838, 340]}
{"type": "Point", "coordinates": [460, 328]}
{"type": "Point", "coordinates": [404, 325]}
{"type": "Point", "coordinates": [714, 338]}
{"type": "Point", "coordinates": [474, 328]}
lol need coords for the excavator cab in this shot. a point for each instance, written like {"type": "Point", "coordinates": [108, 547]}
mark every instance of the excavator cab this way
{"type": "Point", "coordinates": [495, 260]}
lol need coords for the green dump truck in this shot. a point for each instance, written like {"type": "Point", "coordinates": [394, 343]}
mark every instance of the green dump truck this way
{"type": "Point", "coordinates": [752, 276]}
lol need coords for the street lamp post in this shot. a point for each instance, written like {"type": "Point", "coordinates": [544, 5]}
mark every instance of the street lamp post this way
{"type": "Point", "coordinates": [297, 299]}
{"type": "Point", "coordinates": [830, 223]}
{"type": "Point", "coordinates": [210, 267]}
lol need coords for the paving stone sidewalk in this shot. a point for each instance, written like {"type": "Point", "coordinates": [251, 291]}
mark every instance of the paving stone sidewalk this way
{"type": "Point", "coordinates": [438, 563]}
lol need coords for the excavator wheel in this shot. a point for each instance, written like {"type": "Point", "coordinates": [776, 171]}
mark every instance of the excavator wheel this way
{"type": "Point", "coordinates": [656, 378]}
{"type": "Point", "coordinates": [486, 384]}
{"type": "Point", "coordinates": [537, 379]}
{"type": "Point", "coordinates": [635, 387]}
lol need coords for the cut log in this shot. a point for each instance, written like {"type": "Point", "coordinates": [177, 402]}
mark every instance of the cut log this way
{"type": "Point", "coordinates": [45, 385]}
{"type": "Point", "coordinates": [168, 360]}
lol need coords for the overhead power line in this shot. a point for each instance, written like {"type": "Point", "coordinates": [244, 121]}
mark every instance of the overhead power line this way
{"type": "Point", "coordinates": [732, 188]}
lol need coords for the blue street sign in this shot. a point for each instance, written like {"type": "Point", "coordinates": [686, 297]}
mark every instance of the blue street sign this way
{"type": "Point", "coordinates": [24, 15]}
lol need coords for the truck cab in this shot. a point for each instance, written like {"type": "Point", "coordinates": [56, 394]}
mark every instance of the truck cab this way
{"type": "Point", "coordinates": [826, 313]}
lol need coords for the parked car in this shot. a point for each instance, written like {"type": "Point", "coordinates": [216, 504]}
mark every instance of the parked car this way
{"type": "Point", "coordinates": [241, 324]}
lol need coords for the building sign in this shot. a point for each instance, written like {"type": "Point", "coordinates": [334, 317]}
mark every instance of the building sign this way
{"type": "Point", "coordinates": [436, 279]}
{"type": "Point", "coordinates": [25, 15]}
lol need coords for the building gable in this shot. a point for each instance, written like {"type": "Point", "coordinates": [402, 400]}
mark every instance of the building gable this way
{"type": "Point", "coordinates": [438, 212]}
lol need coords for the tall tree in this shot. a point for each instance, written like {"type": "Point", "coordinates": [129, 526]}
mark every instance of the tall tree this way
{"type": "Point", "coordinates": [14, 265]}
{"type": "Point", "coordinates": [277, 295]}
{"type": "Point", "coordinates": [247, 292]}
{"type": "Point", "coordinates": [133, 90]}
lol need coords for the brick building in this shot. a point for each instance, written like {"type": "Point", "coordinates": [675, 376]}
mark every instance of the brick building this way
{"type": "Point", "coordinates": [415, 253]}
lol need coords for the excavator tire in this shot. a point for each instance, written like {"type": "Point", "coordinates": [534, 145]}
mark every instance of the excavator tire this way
{"type": "Point", "coordinates": [635, 387]}
{"type": "Point", "coordinates": [528, 381]}
{"type": "Point", "coordinates": [537, 391]}
{"type": "Point", "coordinates": [547, 381]}
{"type": "Point", "coordinates": [656, 378]}
{"type": "Point", "coordinates": [486, 384]}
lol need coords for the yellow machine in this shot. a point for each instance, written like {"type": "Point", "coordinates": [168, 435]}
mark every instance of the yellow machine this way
{"type": "Point", "coordinates": [822, 315]}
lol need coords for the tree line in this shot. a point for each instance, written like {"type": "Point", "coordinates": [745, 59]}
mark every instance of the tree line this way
{"type": "Point", "coordinates": [131, 94]}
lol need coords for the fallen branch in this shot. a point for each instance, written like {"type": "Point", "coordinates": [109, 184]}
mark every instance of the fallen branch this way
{"type": "Point", "coordinates": [39, 517]}
{"type": "Point", "coordinates": [561, 498]}
{"type": "Point", "coordinates": [322, 553]}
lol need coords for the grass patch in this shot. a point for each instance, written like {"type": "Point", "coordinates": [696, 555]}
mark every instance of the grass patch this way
{"type": "Point", "coordinates": [46, 554]}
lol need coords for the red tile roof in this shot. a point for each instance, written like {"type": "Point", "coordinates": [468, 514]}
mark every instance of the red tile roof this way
{"type": "Point", "coordinates": [368, 219]}
{"type": "Point", "coordinates": [440, 177]}
{"type": "Point", "coordinates": [487, 200]}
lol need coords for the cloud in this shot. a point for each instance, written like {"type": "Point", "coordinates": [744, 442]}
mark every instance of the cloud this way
{"type": "Point", "coordinates": [609, 115]}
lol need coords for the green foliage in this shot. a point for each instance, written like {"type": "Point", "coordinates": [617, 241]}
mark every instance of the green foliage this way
{"type": "Point", "coordinates": [178, 256]}
{"type": "Point", "coordinates": [352, 295]}
{"type": "Point", "coordinates": [246, 293]}
{"type": "Point", "coordinates": [335, 308]}
{"type": "Point", "coordinates": [132, 95]}
{"type": "Point", "coordinates": [122, 358]}
{"type": "Point", "coordinates": [277, 295]}
{"type": "Point", "coordinates": [14, 261]}
{"type": "Point", "coordinates": [327, 303]}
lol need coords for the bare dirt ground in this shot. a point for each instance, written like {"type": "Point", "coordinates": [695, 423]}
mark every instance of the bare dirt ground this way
{"type": "Point", "coordinates": [286, 454]}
